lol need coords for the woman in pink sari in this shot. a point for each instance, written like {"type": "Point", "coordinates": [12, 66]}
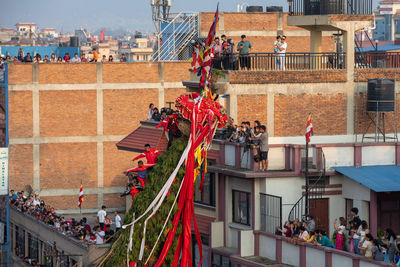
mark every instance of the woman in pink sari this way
{"type": "Point", "coordinates": [340, 232]}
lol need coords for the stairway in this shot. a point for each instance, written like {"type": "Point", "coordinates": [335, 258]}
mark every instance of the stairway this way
{"type": "Point", "coordinates": [316, 189]}
{"type": "Point", "coordinates": [175, 36]}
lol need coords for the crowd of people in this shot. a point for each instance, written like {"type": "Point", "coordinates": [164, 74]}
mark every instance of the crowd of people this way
{"type": "Point", "coordinates": [227, 56]}
{"type": "Point", "coordinates": [28, 58]}
{"type": "Point", "coordinates": [99, 233]}
{"type": "Point", "coordinates": [351, 235]}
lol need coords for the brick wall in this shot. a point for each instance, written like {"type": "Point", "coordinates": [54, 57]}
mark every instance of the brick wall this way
{"type": "Point", "coordinates": [19, 73]}
{"type": "Point", "coordinates": [21, 166]}
{"type": "Point", "coordinates": [328, 114]}
{"type": "Point", "coordinates": [68, 113]}
{"type": "Point", "coordinates": [251, 108]}
{"type": "Point", "coordinates": [298, 76]}
{"type": "Point", "coordinates": [68, 202]}
{"type": "Point", "coordinates": [57, 73]}
{"type": "Point", "coordinates": [130, 73]}
{"type": "Point", "coordinates": [363, 75]}
{"type": "Point", "coordinates": [123, 109]}
{"type": "Point", "coordinates": [176, 71]}
{"type": "Point", "coordinates": [115, 163]}
{"type": "Point", "coordinates": [20, 108]}
{"type": "Point", "coordinates": [171, 94]}
{"type": "Point", "coordinates": [362, 119]}
{"type": "Point", "coordinates": [65, 165]}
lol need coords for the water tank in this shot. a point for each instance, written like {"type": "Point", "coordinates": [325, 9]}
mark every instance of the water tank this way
{"type": "Point", "coordinates": [274, 9]}
{"type": "Point", "coordinates": [74, 41]}
{"type": "Point", "coordinates": [380, 95]}
{"type": "Point", "coordinates": [254, 9]}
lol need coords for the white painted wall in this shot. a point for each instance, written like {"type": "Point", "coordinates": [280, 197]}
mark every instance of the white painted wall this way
{"type": "Point", "coordinates": [337, 206]}
{"type": "Point", "coordinates": [354, 190]}
{"type": "Point", "coordinates": [291, 254]}
{"type": "Point", "coordinates": [276, 158]}
{"type": "Point", "coordinates": [378, 155]}
{"type": "Point", "coordinates": [315, 257]}
{"type": "Point", "coordinates": [229, 155]}
{"type": "Point", "coordinates": [338, 156]}
{"type": "Point", "coordinates": [339, 260]}
{"type": "Point", "coordinates": [288, 188]}
{"type": "Point", "coordinates": [217, 234]}
{"type": "Point", "coordinates": [246, 243]}
{"type": "Point", "coordinates": [267, 247]}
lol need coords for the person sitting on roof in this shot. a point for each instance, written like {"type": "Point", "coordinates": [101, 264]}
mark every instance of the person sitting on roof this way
{"type": "Point", "coordinates": [170, 123]}
{"type": "Point", "coordinates": [141, 170]}
{"type": "Point", "coordinates": [150, 154]}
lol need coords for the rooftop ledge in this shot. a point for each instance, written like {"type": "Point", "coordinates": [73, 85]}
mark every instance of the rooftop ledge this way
{"type": "Point", "coordinates": [330, 22]}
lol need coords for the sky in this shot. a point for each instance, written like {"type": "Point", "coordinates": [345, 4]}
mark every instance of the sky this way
{"type": "Point", "coordinates": [67, 15]}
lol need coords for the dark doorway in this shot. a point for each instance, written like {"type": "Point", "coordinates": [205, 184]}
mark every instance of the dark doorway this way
{"type": "Point", "coordinates": [389, 211]}
{"type": "Point", "coordinates": [320, 209]}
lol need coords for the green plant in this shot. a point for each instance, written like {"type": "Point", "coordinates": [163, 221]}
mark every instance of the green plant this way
{"type": "Point", "coordinates": [156, 178]}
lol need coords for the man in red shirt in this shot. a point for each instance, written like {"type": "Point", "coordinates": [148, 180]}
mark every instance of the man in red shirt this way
{"type": "Point", "coordinates": [141, 171]}
{"type": "Point", "coordinates": [150, 154]}
{"type": "Point", "coordinates": [170, 123]}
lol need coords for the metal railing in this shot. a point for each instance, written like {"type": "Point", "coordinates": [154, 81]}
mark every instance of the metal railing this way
{"type": "Point", "coordinates": [325, 7]}
{"type": "Point", "coordinates": [287, 61]}
{"type": "Point", "coordinates": [270, 212]}
{"type": "Point", "coordinates": [175, 37]}
{"type": "Point", "coordinates": [377, 60]}
{"type": "Point", "coordinates": [316, 190]}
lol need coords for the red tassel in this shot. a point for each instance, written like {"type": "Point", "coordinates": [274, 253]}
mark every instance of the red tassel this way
{"type": "Point", "coordinates": [132, 263]}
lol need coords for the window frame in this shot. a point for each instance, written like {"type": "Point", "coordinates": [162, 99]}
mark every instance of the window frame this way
{"type": "Point", "coordinates": [212, 191]}
{"type": "Point", "coordinates": [248, 210]}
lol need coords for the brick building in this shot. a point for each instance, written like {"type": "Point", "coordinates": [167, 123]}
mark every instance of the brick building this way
{"type": "Point", "coordinates": [65, 121]}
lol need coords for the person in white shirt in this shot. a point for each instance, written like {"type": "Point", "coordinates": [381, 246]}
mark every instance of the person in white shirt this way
{"type": "Point", "coordinates": [276, 49]}
{"type": "Point", "coordinates": [117, 222]}
{"type": "Point", "coordinates": [282, 52]}
{"type": "Point", "coordinates": [99, 236]}
{"type": "Point", "coordinates": [75, 59]}
{"type": "Point", "coordinates": [36, 201]}
{"type": "Point", "coordinates": [101, 215]}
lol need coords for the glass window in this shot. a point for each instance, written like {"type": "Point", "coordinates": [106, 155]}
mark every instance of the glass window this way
{"type": "Point", "coordinates": [241, 207]}
{"type": "Point", "coordinates": [33, 244]}
{"type": "Point", "coordinates": [207, 195]}
{"type": "Point", "coordinates": [221, 261]}
{"type": "Point", "coordinates": [196, 253]}
{"type": "Point", "coordinates": [20, 241]}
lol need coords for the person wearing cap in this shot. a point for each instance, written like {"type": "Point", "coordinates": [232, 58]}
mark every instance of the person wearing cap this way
{"type": "Point", "coordinates": [244, 48]}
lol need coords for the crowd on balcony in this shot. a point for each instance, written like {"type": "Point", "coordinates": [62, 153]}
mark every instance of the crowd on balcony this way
{"type": "Point", "coordinates": [66, 58]}
{"type": "Point", "coordinates": [100, 232]}
{"type": "Point", "coordinates": [352, 235]}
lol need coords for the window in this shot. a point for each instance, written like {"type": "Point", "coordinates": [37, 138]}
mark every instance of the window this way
{"type": "Point", "coordinates": [241, 207]}
{"type": "Point", "coordinates": [207, 195]}
{"type": "Point", "coordinates": [195, 250]}
{"type": "Point", "coordinates": [33, 245]}
{"type": "Point", "coordinates": [20, 241]}
{"type": "Point", "coordinates": [221, 261]}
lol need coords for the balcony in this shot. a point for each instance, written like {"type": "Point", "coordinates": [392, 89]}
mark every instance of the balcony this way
{"type": "Point", "coordinates": [37, 240]}
{"type": "Point", "coordinates": [326, 7]}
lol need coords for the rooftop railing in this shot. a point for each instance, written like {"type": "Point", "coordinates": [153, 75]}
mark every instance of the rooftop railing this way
{"type": "Point", "coordinates": [325, 7]}
{"type": "Point", "coordinates": [377, 60]}
{"type": "Point", "coordinates": [287, 61]}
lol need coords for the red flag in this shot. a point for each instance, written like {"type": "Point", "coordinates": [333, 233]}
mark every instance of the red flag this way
{"type": "Point", "coordinates": [80, 200]}
{"type": "Point", "coordinates": [213, 29]}
{"type": "Point", "coordinates": [102, 35]}
{"type": "Point", "coordinates": [309, 129]}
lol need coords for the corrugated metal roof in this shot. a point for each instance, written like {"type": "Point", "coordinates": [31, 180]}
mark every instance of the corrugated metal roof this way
{"type": "Point", "coordinates": [145, 134]}
{"type": "Point", "coordinates": [385, 178]}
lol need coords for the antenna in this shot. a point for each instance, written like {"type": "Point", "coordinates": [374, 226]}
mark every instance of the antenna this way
{"type": "Point", "coordinates": [160, 9]}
